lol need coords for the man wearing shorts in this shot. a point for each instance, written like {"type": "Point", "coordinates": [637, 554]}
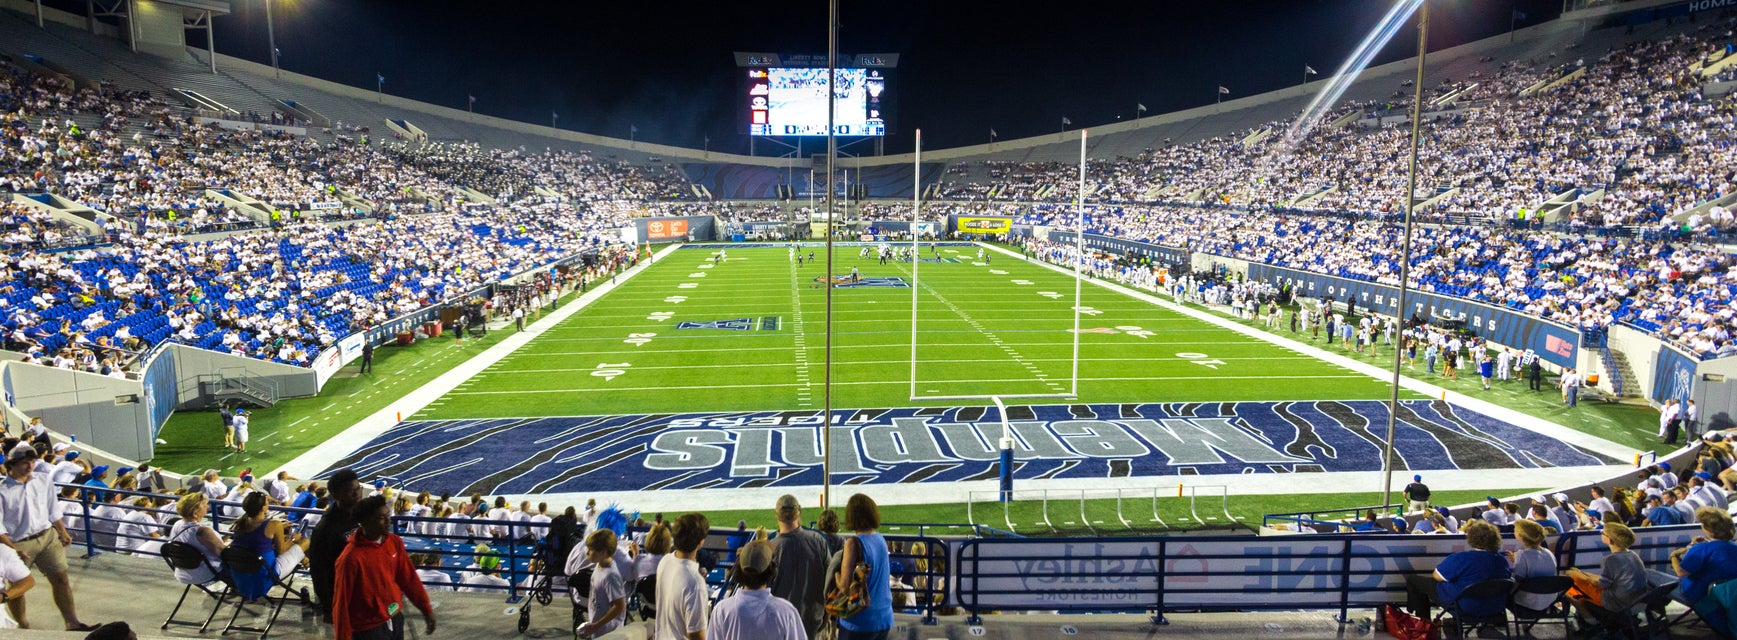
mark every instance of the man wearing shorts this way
{"type": "Point", "coordinates": [31, 524]}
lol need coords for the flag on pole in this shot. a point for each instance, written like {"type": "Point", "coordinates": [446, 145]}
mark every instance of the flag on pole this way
{"type": "Point", "coordinates": [472, 99]}
{"type": "Point", "coordinates": [1519, 16]}
{"type": "Point", "coordinates": [992, 132]}
{"type": "Point", "coordinates": [1310, 70]}
{"type": "Point", "coordinates": [633, 128]}
{"type": "Point", "coordinates": [379, 77]}
{"type": "Point", "coordinates": [1142, 107]}
{"type": "Point", "coordinates": [1223, 89]}
{"type": "Point", "coordinates": [1066, 121]}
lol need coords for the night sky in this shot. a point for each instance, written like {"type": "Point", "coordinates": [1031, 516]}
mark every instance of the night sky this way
{"type": "Point", "coordinates": [966, 66]}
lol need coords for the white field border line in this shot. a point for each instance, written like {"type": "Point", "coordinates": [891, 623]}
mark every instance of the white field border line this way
{"type": "Point", "coordinates": [1530, 423]}
{"type": "Point", "coordinates": [869, 363]}
{"type": "Point", "coordinates": [676, 499]}
{"type": "Point", "coordinates": [870, 383]}
{"type": "Point", "coordinates": [359, 434]}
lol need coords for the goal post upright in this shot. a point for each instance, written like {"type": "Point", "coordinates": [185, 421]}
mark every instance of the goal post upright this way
{"type": "Point", "coordinates": [1079, 262]}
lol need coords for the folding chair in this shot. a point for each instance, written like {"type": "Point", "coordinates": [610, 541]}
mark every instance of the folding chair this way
{"type": "Point", "coordinates": [1652, 620]}
{"type": "Point", "coordinates": [242, 562]}
{"type": "Point", "coordinates": [1525, 618]}
{"type": "Point", "coordinates": [1498, 588]}
{"type": "Point", "coordinates": [180, 555]}
{"type": "Point", "coordinates": [645, 595]}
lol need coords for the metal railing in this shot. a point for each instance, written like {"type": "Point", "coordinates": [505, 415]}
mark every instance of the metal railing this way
{"type": "Point", "coordinates": [1098, 575]}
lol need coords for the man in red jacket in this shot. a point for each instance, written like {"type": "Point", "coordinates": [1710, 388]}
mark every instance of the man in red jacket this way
{"type": "Point", "coordinates": [373, 575]}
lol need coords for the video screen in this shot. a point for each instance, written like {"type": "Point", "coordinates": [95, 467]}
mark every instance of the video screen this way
{"type": "Point", "coordinates": [792, 102]}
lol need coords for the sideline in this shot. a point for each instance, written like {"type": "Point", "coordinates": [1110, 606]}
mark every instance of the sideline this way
{"type": "Point", "coordinates": [1528, 422]}
{"type": "Point", "coordinates": [356, 436]}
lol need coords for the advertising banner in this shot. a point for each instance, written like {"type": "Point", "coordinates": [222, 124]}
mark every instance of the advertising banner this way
{"type": "Point", "coordinates": [666, 229]}
{"type": "Point", "coordinates": [990, 226]}
{"type": "Point", "coordinates": [1673, 374]}
{"type": "Point", "coordinates": [1159, 253]}
{"type": "Point", "coordinates": [1555, 343]}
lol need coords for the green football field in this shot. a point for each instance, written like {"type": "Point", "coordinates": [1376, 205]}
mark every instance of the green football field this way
{"type": "Point", "coordinates": [755, 339]}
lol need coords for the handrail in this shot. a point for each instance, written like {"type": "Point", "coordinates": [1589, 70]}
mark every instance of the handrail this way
{"type": "Point", "coordinates": [1157, 574]}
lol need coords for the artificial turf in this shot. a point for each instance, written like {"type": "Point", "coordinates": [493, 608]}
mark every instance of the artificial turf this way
{"type": "Point", "coordinates": [1005, 327]}
{"type": "Point", "coordinates": [1002, 327]}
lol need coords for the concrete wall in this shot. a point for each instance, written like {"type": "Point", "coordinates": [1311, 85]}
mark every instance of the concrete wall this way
{"type": "Point", "coordinates": [84, 405]}
{"type": "Point", "coordinates": [1642, 352]}
{"type": "Point", "coordinates": [190, 363]}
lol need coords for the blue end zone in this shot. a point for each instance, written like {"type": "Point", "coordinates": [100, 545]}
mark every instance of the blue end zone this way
{"type": "Point", "coordinates": [764, 449]}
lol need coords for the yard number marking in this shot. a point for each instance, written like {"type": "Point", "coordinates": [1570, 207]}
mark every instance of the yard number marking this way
{"type": "Point", "coordinates": [1201, 359]}
{"type": "Point", "coordinates": [608, 370]}
{"type": "Point", "coordinates": [639, 339]}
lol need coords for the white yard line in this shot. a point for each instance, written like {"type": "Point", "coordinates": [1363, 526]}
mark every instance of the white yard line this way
{"type": "Point", "coordinates": [871, 383]}
{"type": "Point", "coordinates": [334, 449]}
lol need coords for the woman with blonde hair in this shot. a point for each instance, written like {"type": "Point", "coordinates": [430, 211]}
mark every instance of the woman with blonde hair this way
{"type": "Point", "coordinates": [192, 530]}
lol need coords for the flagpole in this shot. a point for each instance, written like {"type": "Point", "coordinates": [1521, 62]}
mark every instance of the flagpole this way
{"type": "Point", "coordinates": [831, 219]}
{"type": "Point", "coordinates": [1405, 252]}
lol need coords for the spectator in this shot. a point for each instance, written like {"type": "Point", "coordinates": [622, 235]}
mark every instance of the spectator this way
{"type": "Point", "coordinates": [482, 574]}
{"type": "Point", "coordinates": [331, 535]}
{"type": "Point", "coordinates": [828, 525]}
{"type": "Point", "coordinates": [1710, 559]}
{"type": "Point", "coordinates": [682, 599]}
{"type": "Point", "coordinates": [192, 530]}
{"type": "Point", "coordinates": [754, 613]}
{"type": "Point", "coordinates": [280, 550]}
{"type": "Point", "coordinates": [608, 602]}
{"type": "Point", "coordinates": [1532, 561]}
{"type": "Point", "coordinates": [1461, 570]}
{"type": "Point", "coordinates": [1621, 580]}
{"type": "Point", "coordinates": [428, 571]}
{"type": "Point", "coordinates": [373, 575]}
{"type": "Point", "coordinates": [867, 549]}
{"type": "Point", "coordinates": [801, 557]}
{"type": "Point", "coordinates": [1541, 515]}
{"type": "Point", "coordinates": [31, 524]}
{"type": "Point", "coordinates": [15, 579]}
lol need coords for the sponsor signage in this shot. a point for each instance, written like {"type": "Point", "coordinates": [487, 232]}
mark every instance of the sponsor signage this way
{"type": "Point", "coordinates": [1555, 343]}
{"type": "Point", "coordinates": [664, 229]}
{"type": "Point", "coordinates": [1158, 253]}
{"type": "Point", "coordinates": [989, 226]}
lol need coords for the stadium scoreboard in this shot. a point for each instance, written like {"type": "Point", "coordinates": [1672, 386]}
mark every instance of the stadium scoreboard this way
{"type": "Point", "coordinates": [780, 97]}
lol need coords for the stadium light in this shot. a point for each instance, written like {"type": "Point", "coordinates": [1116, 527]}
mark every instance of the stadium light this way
{"type": "Point", "coordinates": [1405, 250]}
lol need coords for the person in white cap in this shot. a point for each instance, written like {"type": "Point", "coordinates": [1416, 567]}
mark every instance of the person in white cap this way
{"type": "Point", "coordinates": [753, 613]}
{"type": "Point", "coordinates": [31, 523]}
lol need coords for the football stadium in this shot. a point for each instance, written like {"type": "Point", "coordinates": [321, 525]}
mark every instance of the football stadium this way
{"type": "Point", "coordinates": [1434, 343]}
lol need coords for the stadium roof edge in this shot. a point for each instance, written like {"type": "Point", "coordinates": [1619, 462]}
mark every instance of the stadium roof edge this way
{"type": "Point", "coordinates": [368, 94]}
{"type": "Point", "coordinates": [1299, 91]}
